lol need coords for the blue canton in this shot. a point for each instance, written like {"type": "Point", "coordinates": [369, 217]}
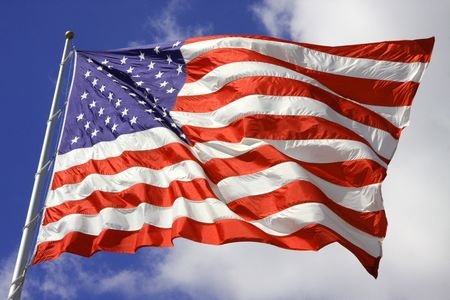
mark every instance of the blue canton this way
{"type": "Point", "coordinates": [122, 91]}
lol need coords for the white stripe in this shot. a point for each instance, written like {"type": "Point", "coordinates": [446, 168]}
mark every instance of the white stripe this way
{"type": "Point", "coordinates": [144, 140]}
{"type": "Point", "coordinates": [183, 171]}
{"type": "Point", "coordinates": [208, 211]}
{"type": "Point", "coordinates": [222, 75]}
{"type": "Point", "coordinates": [380, 140]}
{"type": "Point", "coordinates": [298, 216]}
{"type": "Point", "coordinates": [398, 116]}
{"type": "Point", "coordinates": [313, 59]}
{"type": "Point", "coordinates": [367, 198]}
{"type": "Point", "coordinates": [313, 151]}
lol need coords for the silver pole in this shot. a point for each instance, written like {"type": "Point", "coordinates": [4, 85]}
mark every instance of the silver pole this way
{"type": "Point", "coordinates": [15, 289]}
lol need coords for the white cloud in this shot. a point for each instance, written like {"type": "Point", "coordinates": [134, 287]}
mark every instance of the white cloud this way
{"type": "Point", "coordinates": [62, 278]}
{"type": "Point", "coordinates": [70, 276]}
{"type": "Point", "coordinates": [6, 271]}
{"type": "Point", "coordinates": [276, 16]}
{"type": "Point", "coordinates": [166, 26]}
{"type": "Point", "coordinates": [350, 21]}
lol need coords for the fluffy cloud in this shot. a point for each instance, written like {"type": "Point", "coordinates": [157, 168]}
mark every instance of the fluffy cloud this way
{"type": "Point", "coordinates": [6, 271]}
{"type": "Point", "coordinates": [166, 26]}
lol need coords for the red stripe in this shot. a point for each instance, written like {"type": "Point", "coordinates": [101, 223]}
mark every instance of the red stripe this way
{"type": "Point", "coordinates": [312, 237]}
{"type": "Point", "coordinates": [195, 190]}
{"type": "Point", "coordinates": [275, 86]}
{"type": "Point", "coordinates": [300, 191]}
{"type": "Point", "coordinates": [382, 92]}
{"type": "Point", "coordinates": [352, 173]}
{"type": "Point", "coordinates": [398, 51]}
{"type": "Point", "coordinates": [154, 159]}
{"type": "Point", "coordinates": [274, 127]}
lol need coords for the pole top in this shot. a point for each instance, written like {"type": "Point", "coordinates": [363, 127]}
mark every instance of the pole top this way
{"type": "Point", "coordinates": [69, 35]}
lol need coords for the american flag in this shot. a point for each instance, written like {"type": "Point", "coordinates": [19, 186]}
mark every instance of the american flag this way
{"type": "Point", "coordinates": [230, 138]}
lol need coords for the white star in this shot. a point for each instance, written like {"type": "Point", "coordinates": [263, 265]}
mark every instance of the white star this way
{"type": "Point", "coordinates": [130, 70]}
{"type": "Point", "coordinates": [105, 62]}
{"type": "Point", "coordinates": [87, 125]}
{"type": "Point", "coordinates": [151, 65]}
{"type": "Point", "coordinates": [141, 56]}
{"type": "Point", "coordinates": [74, 140]}
{"type": "Point", "coordinates": [80, 117]}
{"type": "Point", "coordinates": [169, 59]}
{"type": "Point", "coordinates": [159, 75]}
{"type": "Point", "coordinates": [92, 104]}
{"type": "Point", "coordinates": [84, 95]}
{"type": "Point", "coordinates": [100, 68]}
{"type": "Point", "coordinates": [170, 91]}
{"type": "Point", "coordinates": [133, 120]}
{"type": "Point", "coordinates": [89, 60]}
{"type": "Point", "coordinates": [87, 74]}
{"type": "Point", "coordinates": [110, 96]}
{"type": "Point", "coordinates": [107, 120]}
{"type": "Point", "coordinates": [147, 90]}
{"type": "Point", "coordinates": [183, 135]}
{"type": "Point", "coordinates": [109, 75]}
{"type": "Point", "coordinates": [157, 49]}
{"type": "Point", "coordinates": [102, 88]}
{"type": "Point", "coordinates": [118, 102]}
{"type": "Point", "coordinates": [123, 60]}
{"type": "Point", "coordinates": [124, 112]}
{"type": "Point", "coordinates": [150, 111]}
{"type": "Point", "coordinates": [141, 102]}
{"type": "Point", "coordinates": [176, 44]}
{"type": "Point", "coordinates": [136, 76]}
{"type": "Point", "coordinates": [94, 82]}
{"type": "Point", "coordinates": [179, 69]}
{"type": "Point", "coordinates": [139, 83]}
{"type": "Point", "coordinates": [114, 127]}
{"type": "Point", "coordinates": [173, 125]}
{"type": "Point", "coordinates": [94, 133]}
{"type": "Point", "coordinates": [156, 100]}
{"type": "Point", "coordinates": [163, 84]}
{"type": "Point", "coordinates": [157, 119]}
{"type": "Point", "coordinates": [132, 94]}
{"type": "Point", "coordinates": [101, 111]}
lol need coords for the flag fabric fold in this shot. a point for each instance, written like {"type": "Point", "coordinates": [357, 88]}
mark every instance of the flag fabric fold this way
{"type": "Point", "coordinates": [230, 138]}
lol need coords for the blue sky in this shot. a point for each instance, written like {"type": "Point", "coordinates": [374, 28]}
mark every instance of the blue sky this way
{"type": "Point", "coordinates": [416, 264]}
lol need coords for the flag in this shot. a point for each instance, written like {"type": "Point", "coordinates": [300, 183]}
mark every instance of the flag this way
{"type": "Point", "coordinates": [230, 138]}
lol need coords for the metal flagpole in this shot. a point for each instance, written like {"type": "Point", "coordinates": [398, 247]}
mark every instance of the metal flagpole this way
{"type": "Point", "coordinates": [15, 289]}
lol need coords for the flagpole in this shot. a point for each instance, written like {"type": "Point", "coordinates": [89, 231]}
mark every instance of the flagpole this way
{"type": "Point", "coordinates": [18, 278]}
